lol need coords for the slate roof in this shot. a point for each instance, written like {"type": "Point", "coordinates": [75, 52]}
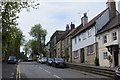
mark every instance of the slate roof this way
{"type": "Point", "coordinates": [111, 24]}
{"type": "Point", "coordinates": [82, 28]}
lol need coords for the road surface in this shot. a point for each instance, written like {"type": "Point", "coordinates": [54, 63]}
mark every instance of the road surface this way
{"type": "Point", "coordinates": [34, 70]}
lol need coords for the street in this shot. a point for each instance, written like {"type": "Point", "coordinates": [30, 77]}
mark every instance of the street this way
{"type": "Point", "coordinates": [34, 70]}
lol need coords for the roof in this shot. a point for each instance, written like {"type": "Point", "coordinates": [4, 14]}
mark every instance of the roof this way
{"type": "Point", "coordinates": [82, 28]}
{"type": "Point", "coordinates": [71, 32]}
{"type": "Point", "coordinates": [55, 33]}
{"type": "Point", "coordinates": [111, 24]}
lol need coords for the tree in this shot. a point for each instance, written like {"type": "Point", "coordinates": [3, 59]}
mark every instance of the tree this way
{"type": "Point", "coordinates": [39, 34]}
{"type": "Point", "coordinates": [9, 15]}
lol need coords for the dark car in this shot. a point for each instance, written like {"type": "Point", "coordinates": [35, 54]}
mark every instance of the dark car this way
{"type": "Point", "coordinates": [58, 62]}
{"type": "Point", "coordinates": [12, 60]}
{"type": "Point", "coordinates": [117, 73]}
{"type": "Point", "coordinates": [49, 61]}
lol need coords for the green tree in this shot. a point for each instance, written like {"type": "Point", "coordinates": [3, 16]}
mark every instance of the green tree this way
{"type": "Point", "coordinates": [39, 34]}
{"type": "Point", "coordinates": [9, 15]}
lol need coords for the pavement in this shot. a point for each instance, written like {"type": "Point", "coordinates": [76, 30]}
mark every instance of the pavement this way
{"type": "Point", "coordinates": [8, 71]}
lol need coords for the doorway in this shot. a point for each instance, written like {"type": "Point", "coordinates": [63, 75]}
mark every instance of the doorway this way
{"type": "Point", "coordinates": [116, 58]}
{"type": "Point", "coordinates": [82, 56]}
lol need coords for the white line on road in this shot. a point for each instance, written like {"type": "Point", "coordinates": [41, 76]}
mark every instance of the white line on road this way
{"type": "Point", "coordinates": [40, 68]}
{"type": "Point", "coordinates": [47, 71]}
{"type": "Point", "coordinates": [56, 76]}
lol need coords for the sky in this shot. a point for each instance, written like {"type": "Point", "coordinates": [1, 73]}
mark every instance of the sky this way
{"type": "Point", "coordinates": [55, 14]}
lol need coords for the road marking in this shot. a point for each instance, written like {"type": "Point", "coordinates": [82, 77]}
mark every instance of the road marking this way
{"type": "Point", "coordinates": [10, 77]}
{"type": "Point", "coordinates": [18, 73]}
{"type": "Point", "coordinates": [56, 76]}
{"type": "Point", "coordinates": [40, 68]}
{"type": "Point", "coordinates": [47, 71]}
{"type": "Point", "coordinates": [12, 73]}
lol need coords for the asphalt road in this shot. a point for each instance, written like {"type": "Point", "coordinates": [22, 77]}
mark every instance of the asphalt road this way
{"type": "Point", "coordinates": [34, 70]}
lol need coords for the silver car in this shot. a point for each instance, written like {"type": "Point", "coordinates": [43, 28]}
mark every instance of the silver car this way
{"type": "Point", "coordinates": [117, 73]}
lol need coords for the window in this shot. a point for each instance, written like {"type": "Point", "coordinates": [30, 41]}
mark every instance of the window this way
{"type": "Point", "coordinates": [105, 39]}
{"type": "Point", "coordinates": [75, 40]}
{"type": "Point", "coordinates": [89, 33]}
{"type": "Point", "coordinates": [114, 36]}
{"type": "Point", "coordinates": [79, 38]}
{"type": "Point", "coordinates": [105, 55]}
{"type": "Point", "coordinates": [75, 54]}
{"type": "Point", "coordinates": [84, 35]}
{"type": "Point", "coordinates": [90, 49]}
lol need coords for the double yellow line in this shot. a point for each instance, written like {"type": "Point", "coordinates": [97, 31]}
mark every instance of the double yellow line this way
{"type": "Point", "coordinates": [18, 72]}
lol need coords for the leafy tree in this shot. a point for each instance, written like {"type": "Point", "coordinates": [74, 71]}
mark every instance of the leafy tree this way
{"type": "Point", "coordinates": [39, 34]}
{"type": "Point", "coordinates": [9, 15]}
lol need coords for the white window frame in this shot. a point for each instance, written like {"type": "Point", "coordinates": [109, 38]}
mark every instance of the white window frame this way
{"type": "Point", "coordinates": [105, 55]}
{"type": "Point", "coordinates": [75, 40]}
{"type": "Point", "coordinates": [84, 35]}
{"type": "Point", "coordinates": [114, 36]}
{"type": "Point", "coordinates": [104, 39]}
{"type": "Point", "coordinates": [89, 33]}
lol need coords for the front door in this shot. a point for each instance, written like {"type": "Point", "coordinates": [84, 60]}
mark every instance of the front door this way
{"type": "Point", "coordinates": [116, 57]}
{"type": "Point", "coordinates": [82, 55]}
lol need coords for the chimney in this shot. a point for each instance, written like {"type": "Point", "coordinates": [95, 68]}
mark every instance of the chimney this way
{"type": "Point", "coordinates": [72, 26]}
{"type": "Point", "coordinates": [67, 27]}
{"type": "Point", "coordinates": [112, 8]}
{"type": "Point", "coordinates": [84, 19]}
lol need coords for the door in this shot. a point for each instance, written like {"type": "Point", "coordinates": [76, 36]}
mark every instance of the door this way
{"type": "Point", "coordinates": [116, 57]}
{"type": "Point", "coordinates": [82, 55]}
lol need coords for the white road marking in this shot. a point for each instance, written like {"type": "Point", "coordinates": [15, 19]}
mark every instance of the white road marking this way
{"type": "Point", "coordinates": [56, 76]}
{"type": "Point", "coordinates": [47, 71]}
{"type": "Point", "coordinates": [40, 68]}
{"type": "Point", "coordinates": [11, 77]}
{"type": "Point", "coordinates": [12, 73]}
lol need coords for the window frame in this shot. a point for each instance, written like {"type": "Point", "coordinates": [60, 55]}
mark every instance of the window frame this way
{"type": "Point", "coordinates": [90, 49]}
{"type": "Point", "coordinates": [104, 39]}
{"type": "Point", "coordinates": [105, 55]}
{"type": "Point", "coordinates": [114, 35]}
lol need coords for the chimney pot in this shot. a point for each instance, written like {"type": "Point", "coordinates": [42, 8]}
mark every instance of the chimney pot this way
{"type": "Point", "coordinates": [72, 25]}
{"type": "Point", "coordinates": [67, 27]}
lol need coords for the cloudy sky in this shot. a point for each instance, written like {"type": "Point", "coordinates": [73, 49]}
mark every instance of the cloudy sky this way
{"type": "Point", "coordinates": [55, 14]}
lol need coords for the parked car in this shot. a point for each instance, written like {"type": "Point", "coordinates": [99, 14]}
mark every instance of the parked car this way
{"type": "Point", "coordinates": [49, 61]}
{"type": "Point", "coordinates": [117, 73]}
{"type": "Point", "coordinates": [58, 62]}
{"type": "Point", "coordinates": [12, 60]}
{"type": "Point", "coordinates": [43, 60]}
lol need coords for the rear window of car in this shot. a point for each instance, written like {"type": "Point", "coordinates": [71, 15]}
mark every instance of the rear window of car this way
{"type": "Point", "coordinates": [59, 59]}
{"type": "Point", "coordinates": [12, 57]}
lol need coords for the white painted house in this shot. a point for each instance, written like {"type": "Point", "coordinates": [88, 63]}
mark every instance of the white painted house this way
{"type": "Point", "coordinates": [84, 43]}
{"type": "Point", "coordinates": [108, 43]}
